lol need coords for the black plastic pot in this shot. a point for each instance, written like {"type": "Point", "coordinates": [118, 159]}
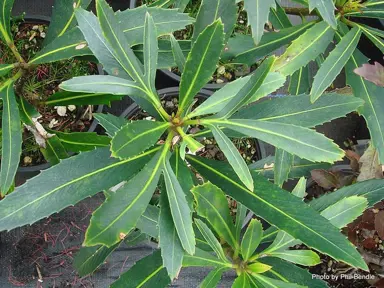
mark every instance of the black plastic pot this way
{"type": "Point", "coordinates": [31, 171]}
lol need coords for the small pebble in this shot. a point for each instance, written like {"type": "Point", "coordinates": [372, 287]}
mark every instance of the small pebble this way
{"type": "Point", "coordinates": [61, 111]}
{"type": "Point", "coordinates": [221, 70]}
{"type": "Point", "coordinates": [219, 81]}
{"type": "Point", "coordinates": [71, 108]}
{"type": "Point", "coordinates": [27, 160]}
{"type": "Point", "coordinates": [35, 27]}
{"type": "Point", "coordinates": [52, 123]}
{"type": "Point", "coordinates": [42, 35]}
{"type": "Point", "coordinates": [241, 21]}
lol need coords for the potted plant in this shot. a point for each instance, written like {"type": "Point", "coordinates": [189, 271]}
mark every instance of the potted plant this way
{"type": "Point", "coordinates": [149, 156]}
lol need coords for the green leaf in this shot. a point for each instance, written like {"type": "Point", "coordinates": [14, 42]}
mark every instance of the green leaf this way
{"type": "Point", "coordinates": [11, 135]}
{"type": "Point", "coordinates": [301, 257]}
{"type": "Point", "coordinates": [334, 63]}
{"type": "Point", "coordinates": [268, 43]}
{"type": "Point", "coordinates": [118, 215]}
{"type": "Point", "coordinates": [283, 164]}
{"type": "Point", "coordinates": [372, 190]}
{"type": "Point", "coordinates": [5, 20]}
{"type": "Point", "coordinates": [300, 167]}
{"type": "Point", "coordinates": [213, 278]}
{"type": "Point", "coordinates": [54, 150]}
{"type": "Point", "coordinates": [27, 111]}
{"type": "Point", "coordinates": [297, 140]}
{"type": "Point", "coordinates": [181, 4]}
{"type": "Point", "coordinates": [181, 214]}
{"type": "Point", "coordinates": [305, 48]}
{"type": "Point", "coordinates": [79, 177]}
{"type": "Point", "coordinates": [166, 21]}
{"type": "Point", "coordinates": [177, 53]}
{"type": "Point", "coordinates": [279, 18]}
{"type": "Point", "coordinates": [258, 13]}
{"type": "Point", "coordinates": [203, 259]}
{"type": "Point", "coordinates": [67, 46]}
{"type": "Point", "coordinates": [259, 267]}
{"type": "Point", "coordinates": [63, 18]}
{"type": "Point", "coordinates": [65, 98]}
{"type": "Point", "coordinates": [210, 11]}
{"type": "Point", "coordinates": [150, 52]}
{"type": "Point", "coordinates": [301, 186]}
{"type": "Point", "coordinates": [110, 123]}
{"type": "Point", "coordinates": [373, 34]}
{"type": "Point", "coordinates": [298, 110]}
{"type": "Point", "coordinates": [213, 206]}
{"type": "Point", "coordinates": [171, 249]}
{"type": "Point", "coordinates": [245, 94]}
{"type": "Point", "coordinates": [251, 239]}
{"type": "Point", "coordinates": [102, 84]}
{"type": "Point", "coordinates": [201, 63]}
{"type": "Point", "coordinates": [326, 9]}
{"type": "Point", "coordinates": [211, 240]}
{"type": "Point", "coordinates": [297, 218]}
{"type": "Point", "coordinates": [267, 282]}
{"type": "Point", "coordinates": [374, 104]}
{"type": "Point", "coordinates": [345, 211]}
{"type": "Point", "coordinates": [233, 156]}
{"type": "Point", "coordinates": [241, 281]}
{"type": "Point", "coordinates": [367, 13]}
{"type": "Point", "coordinates": [81, 141]}
{"type": "Point", "coordinates": [147, 272]}
{"type": "Point", "coordinates": [147, 223]}
{"type": "Point", "coordinates": [289, 272]}
{"type": "Point", "coordinates": [222, 97]}
{"type": "Point", "coordinates": [88, 259]}
{"type": "Point", "coordinates": [241, 211]}
{"type": "Point", "coordinates": [134, 238]}
{"type": "Point", "coordinates": [5, 68]}
{"type": "Point", "coordinates": [136, 137]}
{"type": "Point", "coordinates": [299, 82]}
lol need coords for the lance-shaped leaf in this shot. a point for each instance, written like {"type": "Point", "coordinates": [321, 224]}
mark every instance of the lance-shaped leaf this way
{"type": "Point", "coordinates": [181, 4]}
{"type": "Point", "coordinates": [283, 164]}
{"type": "Point", "coordinates": [266, 282]}
{"type": "Point", "coordinates": [118, 215]}
{"type": "Point", "coordinates": [258, 13]}
{"type": "Point", "coordinates": [5, 68]}
{"type": "Point", "coordinates": [300, 188]}
{"type": "Point", "coordinates": [373, 34]}
{"type": "Point", "coordinates": [63, 18]}
{"type": "Point", "coordinates": [148, 221]}
{"type": "Point", "coordinates": [54, 150]}
{"type": "Point", "coordinates": [171, 249]}
{"type": "Point", "coordinates": [81, 141]}
{"type": "Point", "coordinates": [69, 45]}
{"type": "Point", "coordinates": [5, 20]}
{"type": "Point", "coordinates": [374, 104]}
{"type": "Point", "coordinates": [66, 184]}
{"type": "Point", "coordinates": [251, 239]}
{"type": "Point", "coordinates": [101, 84]}
{"type": "Point", "coordinates": [335, 63]}
{"type": "Point", "coordinates": [288, 272]}
{"type": "Point", "coordinates": [181, 214]}
{"type": "Point", "coordinates": [213, 206]}
{"type": "Point", "coordinates": [241, 211]}
{"type": "Point", "coordinates": [299, 82]}
{"type": "Point", "coordinates": [147, 272]}
{"type": "Point", "coordinates": [177, 53]}
{"type": "Point", "coordinates": [150, 52]}
{"type": "Point", "coordinates": [300, 111]}
{"type": "Point", "coordinates": [241, 281]}
{"type": "Point", "coordinates": [268, 43]}
{"type": "Point", "coordinates": [213, 278]}
{"type": "Point", "coordinates": [65, 98]}
{"type": "Point", "coordinates": [88, 259]}
{"type": "Point", "coordinates": [305, 48]}
{"type": "Point", "coordinates": [11, 137]}
{"type": "Point", "coordinates": [211, 239]}
{"type": "Point", "coordinates": [202, 258]}
{"type": "Point", "coordinates": [136, 137]}
{"type": "Point", "coordinates": [210, 11]}
{"type": "Point", "coordinates": [279, 18]}
{"type": "Point", "coordinates": [110, 123]}
{"type": "Point", "coordinates": [201, 63]}
{"type": "Point", "coordinates": [301, 257]}
{"type": "Point", "coordinates": [166, 21]}
{"type": "Point", "coordinates": [258, 267]}
{"type": "Point", "coordinates": [233, 156]}
{"type": "Point", "coordinates": [326, 9]}
{"type": "Point", "coordinates": [297, 218]}
{"type": "Point", "coordinates": [297, 140]}
{"type": "Point", "coordinates": [222, 97]}
{"type": "Point", "coordinates": [245, 94]}
{"type": "Point", "coordinates": [367, 13]}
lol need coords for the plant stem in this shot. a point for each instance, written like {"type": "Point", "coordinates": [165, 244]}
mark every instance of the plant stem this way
{"type": "Point", "coordinates": [299, 11]}
{"type": "Point", "coordinates": [348, 22]}
{"type": "Point", "coordinates": [13, 48]}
